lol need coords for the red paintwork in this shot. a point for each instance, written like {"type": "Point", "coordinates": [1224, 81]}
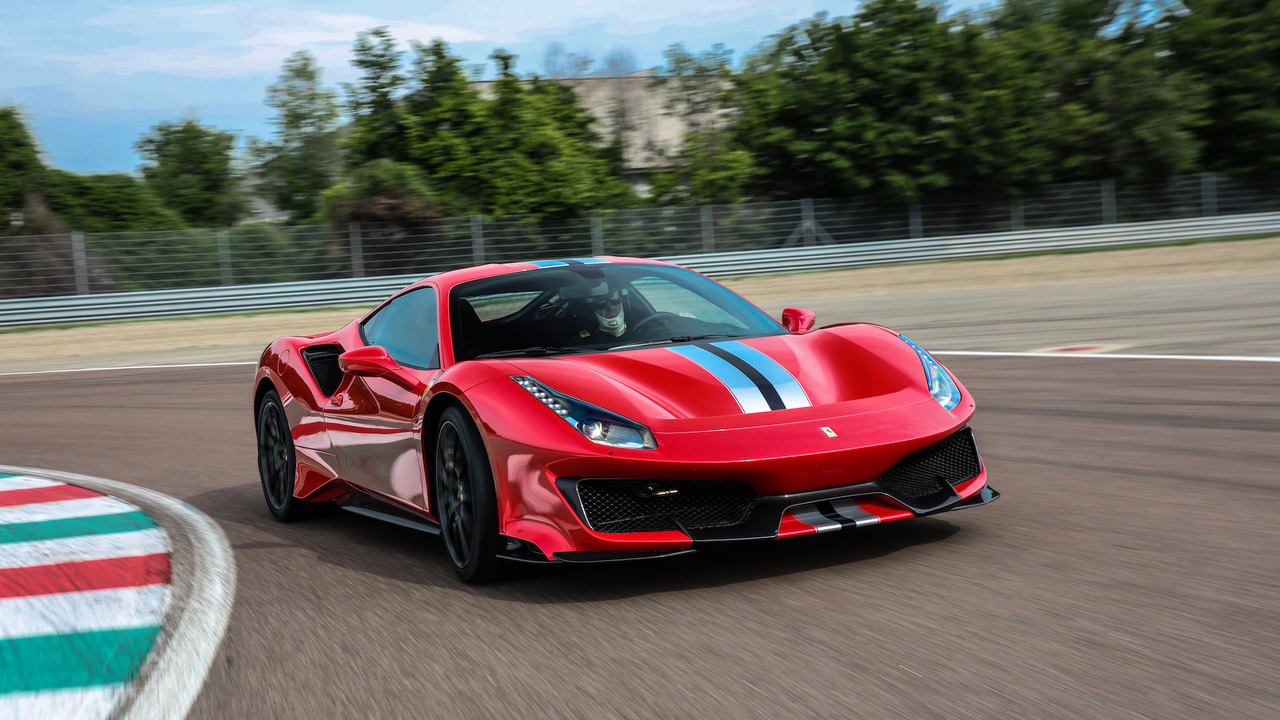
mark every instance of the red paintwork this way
{"type": "Point", "coordinates": [798, 320]}
{"type": "Point", "coordinates": [372, 434]}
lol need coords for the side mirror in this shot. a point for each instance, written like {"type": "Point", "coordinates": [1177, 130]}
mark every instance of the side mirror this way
{"type": "Point", "coordinates": [799, 320]}
{"type": "Point", "coordinates": [373, 361]}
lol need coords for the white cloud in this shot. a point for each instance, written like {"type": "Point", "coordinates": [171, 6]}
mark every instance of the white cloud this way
{"type": "Point", "coordinates": [225, 41]}
{"type": "Point", "coordinates": [215, 10]}
{"type": "Point", "coordinates": [328, 28]}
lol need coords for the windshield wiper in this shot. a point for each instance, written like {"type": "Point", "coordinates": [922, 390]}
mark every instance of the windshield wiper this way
{"type": "Point", "coordinates": [671, 340]}
{"type": "Point", "coordinates": [530, 351]}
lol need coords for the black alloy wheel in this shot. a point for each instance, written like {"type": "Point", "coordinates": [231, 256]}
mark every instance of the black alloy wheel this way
{"type": "Point", "coordinates": [465, 503]}
{"type": "Point", "coordinates": [277, 464]}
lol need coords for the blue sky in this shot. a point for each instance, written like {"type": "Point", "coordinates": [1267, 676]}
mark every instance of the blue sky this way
{"type": "Point", "coordinates": [93, 77]}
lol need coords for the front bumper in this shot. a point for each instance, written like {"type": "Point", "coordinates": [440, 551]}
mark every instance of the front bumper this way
{"type": "Point", "coordinates": [634, 518]}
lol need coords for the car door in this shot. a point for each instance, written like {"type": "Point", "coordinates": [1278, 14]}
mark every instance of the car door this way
{"type": "Point", "coordinates": [373, 422]}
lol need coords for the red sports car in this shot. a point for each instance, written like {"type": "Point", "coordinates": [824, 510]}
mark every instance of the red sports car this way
{"type": "Point", "coordinates": [607, 409]}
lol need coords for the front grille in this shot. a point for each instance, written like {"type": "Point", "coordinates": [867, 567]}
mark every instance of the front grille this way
{"type": "Point", "coordinates": [930, 471]}
{"type": "Point", "coordinates": [631, 506]}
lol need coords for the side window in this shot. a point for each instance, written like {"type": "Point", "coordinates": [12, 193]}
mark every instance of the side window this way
{"type": "Point", "coordinates": [406, 328]}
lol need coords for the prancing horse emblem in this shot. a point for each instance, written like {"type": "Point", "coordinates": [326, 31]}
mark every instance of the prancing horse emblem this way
{"type": "Point", "coordinates": [829, 432]}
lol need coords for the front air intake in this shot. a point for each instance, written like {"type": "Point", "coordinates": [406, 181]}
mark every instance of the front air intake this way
{"type": "Point", "coordinates": [632, 506]}
{"type": "Point", "coordinates": [934, 470]}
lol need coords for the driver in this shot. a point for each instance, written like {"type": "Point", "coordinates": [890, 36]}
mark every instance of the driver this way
{"type": "Point", "coordinates": [606, 320]}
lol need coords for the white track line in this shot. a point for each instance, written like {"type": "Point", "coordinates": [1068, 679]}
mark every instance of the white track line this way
{"type": "Point", "coordinates": [130, 367]}
{"type": "Point", "coordinates": [203, 588]}
{"type": "Point", "coordinates": [974, 353]}
{"type": "Point", "coordinates": [1109, 356]}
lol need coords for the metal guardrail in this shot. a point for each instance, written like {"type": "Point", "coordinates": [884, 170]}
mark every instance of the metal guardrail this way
{"type": "Point", "coordinates": [199, 301]}
{"type": "Point", "coordinates": [367, 291]}
{"type": "Point", "coordinates": [825, 257]}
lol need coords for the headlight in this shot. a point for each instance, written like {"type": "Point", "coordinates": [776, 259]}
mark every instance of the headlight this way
{"type": "Point", "coordinates": [941, 385]}
{"type": "Point", "coordinates": [596, 424]}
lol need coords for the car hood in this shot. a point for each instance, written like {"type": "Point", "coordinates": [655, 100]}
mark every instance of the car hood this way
{"type": "Point", "coordinates": [749, 381]}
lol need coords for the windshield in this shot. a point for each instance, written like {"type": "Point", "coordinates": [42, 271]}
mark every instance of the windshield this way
{"type": "Point", "coordinates": [596, 307]}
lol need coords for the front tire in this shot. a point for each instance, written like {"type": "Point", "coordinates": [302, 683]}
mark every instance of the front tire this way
{"type": "Point", "coordinates": [466, 505]}
{"type": "Point", "coordinates": [277, 463]}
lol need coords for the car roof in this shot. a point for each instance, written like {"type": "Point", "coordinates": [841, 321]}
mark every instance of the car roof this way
{"type": "Point", "coordinates": [446, 280]}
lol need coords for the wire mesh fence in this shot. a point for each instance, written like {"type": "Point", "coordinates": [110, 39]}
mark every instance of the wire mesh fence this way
{"type": "Point", "coordinates": [83, 264]}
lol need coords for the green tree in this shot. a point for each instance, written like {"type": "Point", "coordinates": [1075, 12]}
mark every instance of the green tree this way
{"type": "Point", "coordinates": [529, 148]}
{"type": "Point", "coordinates": [444, 119]}
{"type": "Point", "coordinates": [21, 171]}
{"type": "Point", "coordinates": [537, 153]}
{"type": "Point", "coordinates": [112, 202]}
{"type": "Point", "coordinates": [303, 158]}
{"type": "Point", "coordinates": [377, 130]}
{"type": "Point", "coordinates": [1114, 105]}
{"type": "Point", "coordinates": [1233, 48]}
{"type": "Point", "coordinates": [190, 168]}
{"type": "Point", "coordinates": [850, 106]}
{"type": "Point", "coordinates": [381, 190]}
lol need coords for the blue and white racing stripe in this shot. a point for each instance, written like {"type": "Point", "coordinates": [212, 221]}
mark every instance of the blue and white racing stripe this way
{"type": "Point", "coordinates": [570, 261]}
{"type": "Point", "coordinates": [757, 381]}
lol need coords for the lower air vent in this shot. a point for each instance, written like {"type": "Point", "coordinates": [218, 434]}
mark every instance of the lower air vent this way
{"type": "Point", "coordinates": [631, 506]}
{"type": "Point", "coordinates": [932, 470]}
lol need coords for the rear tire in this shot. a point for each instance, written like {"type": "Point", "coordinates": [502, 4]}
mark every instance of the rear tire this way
{"type": "Point", "coordinates": [466, 505]}
{"type": "Point", "coordinates": [277, 462]}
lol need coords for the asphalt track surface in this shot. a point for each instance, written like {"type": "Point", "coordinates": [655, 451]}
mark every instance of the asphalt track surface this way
{"type": "Point", "coordinates": [1128, 571]}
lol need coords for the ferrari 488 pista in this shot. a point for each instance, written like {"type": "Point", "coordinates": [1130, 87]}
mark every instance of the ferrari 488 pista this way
{"type": "Point", "coordinates": [606, 409]}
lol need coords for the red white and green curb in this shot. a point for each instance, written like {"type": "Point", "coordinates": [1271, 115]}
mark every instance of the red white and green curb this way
{"type": "Point", "coordinates": [113, 598]}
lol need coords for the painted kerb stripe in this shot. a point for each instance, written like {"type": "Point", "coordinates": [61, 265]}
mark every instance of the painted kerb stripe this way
{"type": "Point", "coordinates": [75, 527]}
{"type": "Point", "coordinates": [61, 509]}
{"type": "Point", "coordinates": [92, 547]}
{"type": "Point", "coordinates": [85, 575]}
{"type": "Point", "coordinates": [75, 631]}
{"type": "Point", "coordinates": [88, 611]}
{"type": "Point", "coordinates": [9, 481]}
{"type": "Point", "coordinates": [86, 659]}
{"type": "Point", "coordinates": [195, 620]}
{"type": "Point", "coordinates": [50, 494]}
{"type": "Point", "coordinates": [76, 703]}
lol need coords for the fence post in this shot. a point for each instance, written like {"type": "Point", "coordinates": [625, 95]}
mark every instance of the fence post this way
{"type": "Point", "coordinates": [917, 220]}
{"type": "Point", "coordinates": [708, 229]}
{"type": "Point", "coordinates": [357, 251]}
{"type": "Point", "coordinates": [477, 240]}
{"type": "Point", "coordinates": [1017, 213]}
{"type": "Point", "coordinates": [1208, 194]}
{"type": "Point", "coordinates": [806, 217]}
{"type": "Point", "coordinates": [224, 256]}
{"type": "Point", "coordinates": [1109, 202]}
{"type": "Point", "coordinates": [81, 260]}
{"type": "Point", "coordinates": [597, 233]}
